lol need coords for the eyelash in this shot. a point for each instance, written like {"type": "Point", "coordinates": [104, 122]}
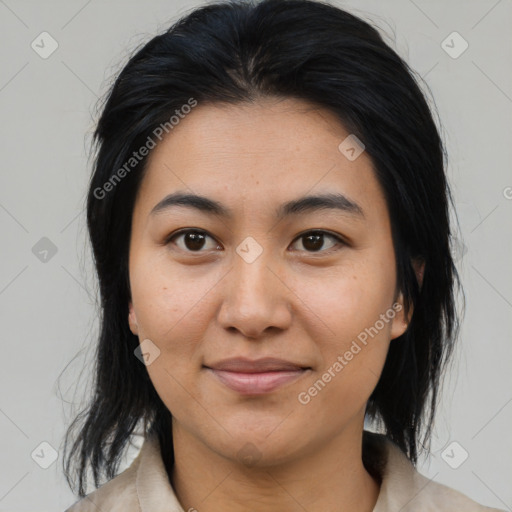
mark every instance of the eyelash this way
{"type": "Point", "coordinates": [339, 240]}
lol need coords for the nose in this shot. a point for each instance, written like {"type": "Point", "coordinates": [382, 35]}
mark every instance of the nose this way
{"type": "Point", "coordinates": [255, 298]}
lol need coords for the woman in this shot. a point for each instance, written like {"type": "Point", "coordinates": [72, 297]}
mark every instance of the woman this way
{"type": "Point", "coordinates": [269, 216]}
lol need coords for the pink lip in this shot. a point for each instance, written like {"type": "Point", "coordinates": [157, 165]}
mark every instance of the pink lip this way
{"type": "Point", "coordinates": [256, 383]}
{"type": "Point", "coordinates": [252, 377]}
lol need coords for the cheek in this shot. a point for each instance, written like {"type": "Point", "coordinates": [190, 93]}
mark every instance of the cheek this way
{"type": "Point", "coordinates": [170, 312]}
{"type": "Point", "coordinates": [356, 306]}
{"type": "Point", "coordinates": [351, 300]}
{"type": "Point", "coordinates": [170, 303]}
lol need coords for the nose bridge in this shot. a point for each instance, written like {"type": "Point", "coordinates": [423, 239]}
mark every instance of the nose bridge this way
{"type": "Point", "coordinates": [255, 299]}
{"type": "Point", "coordinates": [251, 273]}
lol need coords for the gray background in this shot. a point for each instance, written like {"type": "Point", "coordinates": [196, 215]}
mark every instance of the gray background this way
{"type": "Point", "coordinates": [47, 301]}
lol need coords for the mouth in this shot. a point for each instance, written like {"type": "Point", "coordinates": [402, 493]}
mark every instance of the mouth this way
{"type": "Point", "coordinates": [255, 377]}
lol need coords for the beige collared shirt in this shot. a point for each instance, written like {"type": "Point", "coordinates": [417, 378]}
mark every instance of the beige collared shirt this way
{"type": "Point", "coordinates": [144, 486]}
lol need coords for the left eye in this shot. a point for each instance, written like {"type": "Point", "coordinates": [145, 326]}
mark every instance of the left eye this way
{"type": "Point", "coordinates": [314, 240]}
{"type": "Point", "coordinates": [194, 240]}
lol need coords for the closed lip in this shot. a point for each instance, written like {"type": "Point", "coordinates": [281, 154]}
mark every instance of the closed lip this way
{"type": "Point", "coordinates": [256, 376]}
{"type": "Point", "coordinates": [262, 365]}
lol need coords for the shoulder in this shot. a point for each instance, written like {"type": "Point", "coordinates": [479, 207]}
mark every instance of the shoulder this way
{"type": "Point", "coordinates": [116, 495]}
{"type": "Point", "coordinates": [440, 497]}
{"type": "Point", "coordinates": [428, 495]}
{"type": "Point", "coordinates": [145, 485]}
{"type": "Point", "coordinates": [404, 488]}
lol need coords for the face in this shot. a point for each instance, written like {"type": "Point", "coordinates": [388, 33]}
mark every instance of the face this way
{"type": "Point", "coordinates": [311, 285]}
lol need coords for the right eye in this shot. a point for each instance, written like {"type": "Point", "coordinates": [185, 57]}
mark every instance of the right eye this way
{"type": "Point", "coordinates": [192, 240]}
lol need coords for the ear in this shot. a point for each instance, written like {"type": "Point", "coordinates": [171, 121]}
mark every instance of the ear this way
{"type": "Point", "coordinates": [132, 320]}
{"type": "Point", "coordinates": [419, 268]}
{"type": "Point", "coordinates": [400, 322]}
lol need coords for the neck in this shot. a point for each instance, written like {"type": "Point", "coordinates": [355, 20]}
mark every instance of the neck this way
{"type": "Point", "coordinates": [329, 477]}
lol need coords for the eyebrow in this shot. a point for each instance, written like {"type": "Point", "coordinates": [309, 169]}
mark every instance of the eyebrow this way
{"type": "Point", "coordinates": [331, 201]}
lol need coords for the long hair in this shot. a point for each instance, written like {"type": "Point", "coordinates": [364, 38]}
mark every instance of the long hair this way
{"type": "Point", "coordinates": [237, 52]}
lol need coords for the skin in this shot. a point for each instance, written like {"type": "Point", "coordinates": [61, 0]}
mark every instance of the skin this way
{"type": "Point", "coordinates": [200, 304]}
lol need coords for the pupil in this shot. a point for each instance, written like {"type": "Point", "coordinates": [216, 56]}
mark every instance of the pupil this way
{"type": "Point", "coordinates": [317, 243]}
{"type": "Point", "coordinates": [194, 241]}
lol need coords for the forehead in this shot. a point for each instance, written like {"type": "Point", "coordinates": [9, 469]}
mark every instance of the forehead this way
{"type": "Point", "coordinates": [264, 152]}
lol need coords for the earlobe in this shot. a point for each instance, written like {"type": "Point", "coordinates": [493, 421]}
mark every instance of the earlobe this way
{"type": "Point", "coordinates": [400, 322]}
{"type": "Point", "coordinates": [132, 320]}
